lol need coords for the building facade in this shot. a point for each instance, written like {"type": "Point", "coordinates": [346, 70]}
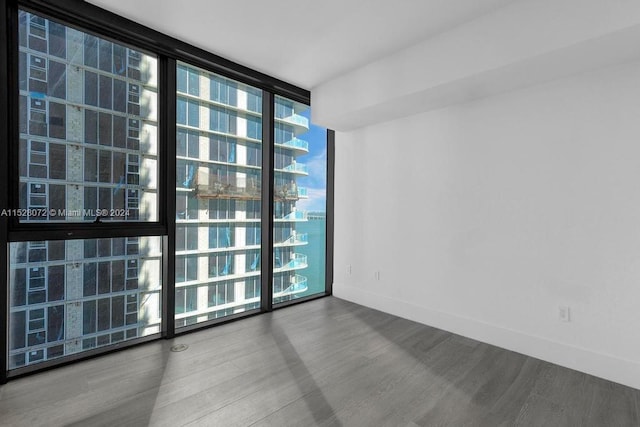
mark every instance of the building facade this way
{"type": "Point", "coordinates": [218, 197]}
{"type": "Point", "coordinates": [88, 152]}
{"type": "Point", "coordinates": [88, 149]}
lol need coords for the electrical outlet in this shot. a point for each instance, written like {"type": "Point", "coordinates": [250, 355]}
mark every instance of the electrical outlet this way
{"type": "Point", "coordinates": [377, 275]}
{"type": "Point", "coordinates": [349, 270]}
{"type": "Point", "coordinates": [564, 313]}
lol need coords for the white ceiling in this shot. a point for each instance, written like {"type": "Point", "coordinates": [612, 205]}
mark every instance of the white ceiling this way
{"type": "Point", "coordinates": [302, 42]}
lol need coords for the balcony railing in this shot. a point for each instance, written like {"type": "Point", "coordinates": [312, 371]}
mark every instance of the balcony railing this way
{"type": "Point", "coordinates": [300, 144]}
{"type": "Point", "coordinates": [295, 216]}
{"type": "Point", "coordinates": [295, 239]}
{"type": "Point", "coordinates": [296, 119]}
{"type": "Point", "coordinates": [290, 192]}
{"type": "Point", "coordinates": [297, 167]}
{"type": "Point", "coordinates": [298, 285]}
{"type": "Point", "coordinates": [302, 192]}
{"type": "Point", "coordinates": [216, 189]}
{"type": "Point", "coordinates": [297, 261]}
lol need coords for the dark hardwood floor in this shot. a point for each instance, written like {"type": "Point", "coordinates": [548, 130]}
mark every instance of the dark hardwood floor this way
{"type": "Point", "coordinates": [328, 362]}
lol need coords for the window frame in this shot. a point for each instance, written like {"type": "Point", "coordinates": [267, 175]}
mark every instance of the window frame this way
{"type": "Point", "coordinates": [98, 22]}
{"type": "Point", "coordinates": [68, 16]}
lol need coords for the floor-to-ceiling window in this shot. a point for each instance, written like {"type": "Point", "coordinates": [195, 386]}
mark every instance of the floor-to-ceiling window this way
{"type": "Point", "coordinates": [218, 194]}
{"type": "Point", "coordinates": [299, 202]}
{"type": "Point", "coordinates": [135, 206]}
{"type": "Point", "coordinates": [87, 153]}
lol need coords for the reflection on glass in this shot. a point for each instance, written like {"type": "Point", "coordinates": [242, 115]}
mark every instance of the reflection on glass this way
{"type": "Point", "coordinates": [70, 296]}
{"type": "Point", "coordinates": [218, 193]}
{"type": "Point", "coordinates": [299, 233]}
{"type": "Point", "coordinates": [88, 126]}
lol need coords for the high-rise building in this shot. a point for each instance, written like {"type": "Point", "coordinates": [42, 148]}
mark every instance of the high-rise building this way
{"type": "Point", "coordinates": [89, 153]}
{"type": "Point", "coordinates": [219, 192]}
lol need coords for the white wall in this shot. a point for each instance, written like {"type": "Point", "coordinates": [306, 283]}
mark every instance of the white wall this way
{"type": "Point", "coordinates": [485, 217]}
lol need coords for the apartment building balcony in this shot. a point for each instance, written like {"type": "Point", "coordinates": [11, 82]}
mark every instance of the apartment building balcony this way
{"type": "Point", "coordinates": [295, 240]}
{"type": "Point", "coordinates": [300, 122]}
{"type": "Point", "coordinates": [296, 144]}
{"type": "Point", "coordinates": [183, 219]}
{"type": "Point", "coordinates": [295, 167]}
{"type": "Point", "coordinates": [240, 304]}
{"type": "Point", "coordinates": [216, 189]}
{"type": "Point", "coordinates": [289, 192]}
{"type": "Point", "coordinates": [205, 281]}
{"type": "Point", "coordinates": [297, 262]}
{"type": "Point", "coordinates": [226, 249]}
{"type": "Point", "coordinates": [292, 216]}
{"type": "Point", "coordinates": [298, 285]}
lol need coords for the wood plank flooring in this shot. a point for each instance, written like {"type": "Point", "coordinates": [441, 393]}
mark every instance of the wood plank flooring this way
{"type": "Point", "coordinates": [327, 363]}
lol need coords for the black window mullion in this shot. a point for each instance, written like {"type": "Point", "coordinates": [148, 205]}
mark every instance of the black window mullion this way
{"type": "Point", "coordinates": [266, 291]}
{"type": "Point", "coordinates": [331, 150]}
{"type": "Point", "coordinates": [52, 231]}
{"type": "Point", "coordinates": [168, 131]}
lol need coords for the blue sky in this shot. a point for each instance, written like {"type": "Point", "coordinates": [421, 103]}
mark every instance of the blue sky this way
{"type": "Point", "coordinates": [316, 161]}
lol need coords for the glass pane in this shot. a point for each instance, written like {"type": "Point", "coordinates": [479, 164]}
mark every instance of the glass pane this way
{"type": "Point", "coordinates": [88, 127]}
{"type": "Point", "coordinates": [70, 296]}
{"type": "Point", "coordinates": [218, 191]}
{"type": "Point", "coordinates": [300, 187]}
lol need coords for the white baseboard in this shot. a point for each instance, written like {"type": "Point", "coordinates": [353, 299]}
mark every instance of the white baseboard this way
{"type": "Point", "coordinates": [602, 365]}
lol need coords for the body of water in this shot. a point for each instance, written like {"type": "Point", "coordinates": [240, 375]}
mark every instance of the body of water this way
{"type": "Point", "coordinates": [316, 254]}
